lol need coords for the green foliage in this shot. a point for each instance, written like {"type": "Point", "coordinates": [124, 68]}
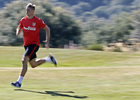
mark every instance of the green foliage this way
{"type": "Point", "coordinates": [117, 49]}
{"type": "Point", "coordinates": [98, 47]}
{"type": "Point", "coordinates": [100, 8]}
{"type": "Point", "coordinates": [108, 31]}
{"type": "Point", "coordinates": [10, 17]}
{"type": "Point", "coordinates": [63, 27]}
{"type": "Point", "coordinates": [95, 6]}
{"type": "Point", "coordinates": [100, 21]}
{"type": "Point", "coordinates": [135, 16]}
{"type": "Point", "coordinates": [91, 29]}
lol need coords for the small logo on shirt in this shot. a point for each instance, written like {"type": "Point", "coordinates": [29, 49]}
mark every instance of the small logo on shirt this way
{"type": "Point", "coordinates": [33, 23]}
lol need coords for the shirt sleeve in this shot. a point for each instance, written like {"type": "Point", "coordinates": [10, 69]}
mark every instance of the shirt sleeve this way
{"type": "Point", "coordinates": [20, 24]}
{"type": "Point", "coordinates": [42, 24]}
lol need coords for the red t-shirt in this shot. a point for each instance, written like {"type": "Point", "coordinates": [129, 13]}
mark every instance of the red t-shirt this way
{"type": "Point", "coordinates": [31, 29]}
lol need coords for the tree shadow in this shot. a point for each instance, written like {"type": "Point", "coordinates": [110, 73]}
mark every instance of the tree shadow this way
{"type": "Point", "coordinates": [55, 93]}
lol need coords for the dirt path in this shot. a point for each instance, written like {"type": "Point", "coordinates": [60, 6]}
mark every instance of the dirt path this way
{"type": "Point", "coordinates": [65, 68]}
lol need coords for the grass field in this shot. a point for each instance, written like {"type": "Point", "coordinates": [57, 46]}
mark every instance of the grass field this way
{"type": "Point", "coordinates": [81, 74]}
{"type": "Point", "coordinates": [11, 57]}
{"type": "Point", "coordinates": [92, 83]}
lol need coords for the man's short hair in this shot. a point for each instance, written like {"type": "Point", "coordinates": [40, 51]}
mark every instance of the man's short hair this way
{"type": "Point", "coordinates": [31, 6]}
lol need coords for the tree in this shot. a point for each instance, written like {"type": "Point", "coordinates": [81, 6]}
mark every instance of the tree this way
{"type": "Point", "coordinates": [63, 27]}
{"type": "Point", "coordinates": [135, 15]}
{"type": "Point", "coordinates": [91, 29]}
{"type": "Point", "coordinates": [108, 31]}
{"type": "Point", "coordinates": [10, 16]}
{"type": "Point", "coordinates": [119, 30]}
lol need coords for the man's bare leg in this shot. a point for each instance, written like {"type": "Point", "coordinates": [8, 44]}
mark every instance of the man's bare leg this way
{"type": "Point", "coordinates": [34, 63]}
{"type": "Point", "coordinates": [25, 60]}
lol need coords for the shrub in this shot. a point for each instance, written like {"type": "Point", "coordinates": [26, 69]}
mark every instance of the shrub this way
{"type": "Point", "coordinates": [117, 49]}
{"type": "Point", "coordinates": [95, 47]}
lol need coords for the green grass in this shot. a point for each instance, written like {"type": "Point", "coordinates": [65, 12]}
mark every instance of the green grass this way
{"type": "Point", "coordinates": [93, 83]}
{"type": "Point", "coordinates": [81, 74]}
{"type": "Point", "coordinates": [11, 57]}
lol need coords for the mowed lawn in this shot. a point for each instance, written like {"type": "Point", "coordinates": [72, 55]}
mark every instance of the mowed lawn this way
{"type": "Point", "coordinates": [11, 57]}
{"type": "Point", "coordinates": [81, 74]}
{"type": "Point", "coordinates": [90, 83]}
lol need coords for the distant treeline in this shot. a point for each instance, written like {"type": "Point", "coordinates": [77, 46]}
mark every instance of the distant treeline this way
{"type": "Point", "coordinates": [82, 21]}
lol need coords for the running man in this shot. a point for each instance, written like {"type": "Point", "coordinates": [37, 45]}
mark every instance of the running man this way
{"type": "Point", "coordinates": [31, 25]}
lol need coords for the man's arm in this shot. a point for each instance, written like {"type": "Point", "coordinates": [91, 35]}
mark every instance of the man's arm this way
{"type": "Point", "coordinates": [18, 31]}
{"type": "Point", "coordinates": [47, 29]}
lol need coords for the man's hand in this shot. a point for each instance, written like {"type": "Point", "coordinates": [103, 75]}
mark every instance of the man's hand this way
{"type": "Point", "coordinates": [47, 29]}
{"type": "Point", "coordinates": [46, 44]}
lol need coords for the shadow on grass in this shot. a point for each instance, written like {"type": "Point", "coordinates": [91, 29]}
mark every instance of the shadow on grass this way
{"type": "Point", "coordinates": [55, 93]}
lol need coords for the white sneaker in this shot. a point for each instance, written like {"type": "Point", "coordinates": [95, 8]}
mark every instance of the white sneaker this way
{"type": "Point", "coordinates": [53, 59]}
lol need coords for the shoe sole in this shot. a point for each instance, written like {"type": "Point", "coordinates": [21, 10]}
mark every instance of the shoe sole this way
{"type": "Point", "coordinates": [14, 86]}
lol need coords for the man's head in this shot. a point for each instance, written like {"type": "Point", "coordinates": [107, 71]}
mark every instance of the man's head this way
{"type": "Point", "coordinates": [30, 10]}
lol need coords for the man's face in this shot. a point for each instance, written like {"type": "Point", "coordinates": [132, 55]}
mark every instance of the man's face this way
{"type": "Point", "coordinates": [29, 11]}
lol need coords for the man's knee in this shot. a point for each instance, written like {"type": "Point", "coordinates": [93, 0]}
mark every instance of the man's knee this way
{"type": "Point", "coordinates": [33, 66]}
{"type": "Point", "coordinates": [33, 63]}
{"type": "Point", "coordinates": [25, 59]}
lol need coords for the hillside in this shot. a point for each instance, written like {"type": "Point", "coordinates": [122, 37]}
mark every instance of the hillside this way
{"type": "Point", "coordinates": [83, 21]}
{"type": "Point", "coordinates": [99, 8]}
{"type": "Point", "coordinates": [2, 2]}
{"type": "Point", "coordinates": [88, 8]}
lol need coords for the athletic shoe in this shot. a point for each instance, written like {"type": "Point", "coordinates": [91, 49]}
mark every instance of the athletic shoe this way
{"type": "Point", "coordinates": [53, 59]}
{"type": "Point", "coordinates": [16, 84]}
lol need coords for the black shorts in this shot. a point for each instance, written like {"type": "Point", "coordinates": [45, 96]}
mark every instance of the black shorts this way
{"type": "Point", "coordinates": [31, 50]}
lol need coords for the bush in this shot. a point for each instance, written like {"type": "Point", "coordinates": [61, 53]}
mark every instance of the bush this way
{"type": "Point", "coordinates": [95, 47]}
{"type": "Point", "coordinates": [117, 49]}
